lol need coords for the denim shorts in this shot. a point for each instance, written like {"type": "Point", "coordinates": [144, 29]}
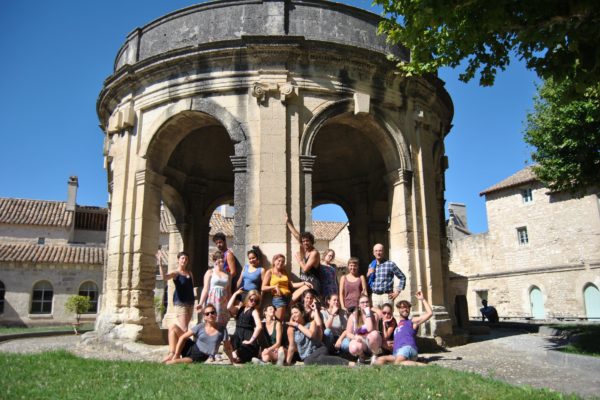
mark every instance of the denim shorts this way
{"type": "Point", "coordinates": [408, 352]}
{"type": "Point", "coordinates": [280, 301]}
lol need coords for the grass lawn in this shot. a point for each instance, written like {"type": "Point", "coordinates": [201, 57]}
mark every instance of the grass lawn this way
{"type": "Point", "coordinates": [60, 375]}
{"type": "Point", "coordinates": [12, 331]}
{"type": "Point", "coordinates": [588, 339]}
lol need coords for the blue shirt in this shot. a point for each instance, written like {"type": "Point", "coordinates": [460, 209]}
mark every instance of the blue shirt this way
{"type": "Point", "coordinates": [383, 281]}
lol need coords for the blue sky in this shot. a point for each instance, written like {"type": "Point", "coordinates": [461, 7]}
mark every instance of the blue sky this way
{"type": "Point", "coordinates": [57, 54]}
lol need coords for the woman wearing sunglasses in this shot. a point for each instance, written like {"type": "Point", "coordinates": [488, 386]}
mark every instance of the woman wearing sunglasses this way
{"type": "Point", "coordinates": [208, 336]}
{"type": "Point", "coordinates": [247, 326]}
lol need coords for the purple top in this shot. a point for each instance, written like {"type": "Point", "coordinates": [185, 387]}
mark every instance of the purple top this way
{"type": "Point", "coordinates": [404, 335]}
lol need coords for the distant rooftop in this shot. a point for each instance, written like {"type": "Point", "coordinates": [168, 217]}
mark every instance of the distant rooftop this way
{"type": "Point", "coordinates": [49, 254]}
{"type": "Point", "coordinates": [525, 175]}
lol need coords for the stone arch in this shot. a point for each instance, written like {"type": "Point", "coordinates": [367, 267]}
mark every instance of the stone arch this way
{"type": "Point", "coordinates": [398, 159]}
{"type": "Point", "coordinates": [166, 131]}
{"type": "Point", "coordinates": [373, 154]}
{"type": "Point", "coordinates": [536, 302]}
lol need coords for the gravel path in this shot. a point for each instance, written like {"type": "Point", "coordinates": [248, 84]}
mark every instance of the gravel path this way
{"type": "Point", "coordinates": [518, 358]}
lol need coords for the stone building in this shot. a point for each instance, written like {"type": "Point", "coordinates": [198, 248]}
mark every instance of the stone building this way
{"type": "Point", "coordinates": [274, 106]}
{"type": "Point", "coordinates": [49, 250]}
{"type": "Point", "coordinates": [540, 258]}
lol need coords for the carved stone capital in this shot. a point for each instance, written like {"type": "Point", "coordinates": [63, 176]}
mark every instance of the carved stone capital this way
{"type": "Point", "coordinates": [261, 90]}
{"type": "Point", "coordinates": [122, 118]}
{"type": "Point", "coordinates": [399, 177]}
{"type": "Point", "coordinates": [307, 162]}
{"type": "Point", "coordinates": [240, 164]}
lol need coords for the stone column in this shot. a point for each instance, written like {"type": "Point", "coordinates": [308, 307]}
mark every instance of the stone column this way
{"type": "Point", "coordinates": [130, 279]}
{"type": "Point", "coordinates": [428, 262]}
{"type": "Point", "coordinates": [399, 183]}
{"type": "Point", "coordinates": [239, 201]}
{"type": "Point", "coordinates": [307, 162]}
{"type": "Point", "coordinates": [269, 165]}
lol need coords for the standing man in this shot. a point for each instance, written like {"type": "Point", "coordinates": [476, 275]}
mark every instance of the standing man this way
{"type": "Point", "coordinates": [381, 278]}
{"type": "Point", "coordinates": [230, 263]}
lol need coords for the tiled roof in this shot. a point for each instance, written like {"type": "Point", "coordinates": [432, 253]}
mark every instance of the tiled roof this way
{"type": "Point", "coordinates": [326, 230]}
{"type": "Point", "coordinates": [218, 223]}
{"type": "Point", "coordinates": [525, 175]}
{"type": "Point", "coordinates": [55, 254]}
{"type": "Point", "coordinates": [34, 212]}
{"type": "Point", "coordinates": [91, 218]}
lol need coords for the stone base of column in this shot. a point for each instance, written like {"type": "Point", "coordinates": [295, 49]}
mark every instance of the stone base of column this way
{"type": "Point", "coordinates": [112, 328]}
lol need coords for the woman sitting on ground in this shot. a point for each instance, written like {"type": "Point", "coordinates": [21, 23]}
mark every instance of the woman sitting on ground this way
{"type": "Point", "coordinates": [335, 320]}
{"type": "Point", "coordinates": [385, 327]}
{"type": "Point", "coordinates": [183, 296]}
{"type": "Point", "coordinates": [247, 326]}
{"type": "Point", "coordinates": [253, 274]}
{"type": "Point", "coordinates": [362, 331]}
{"type": "Point", "coordinates": [208, 337]}
{"type": "Point", "coordinates": [216, 288]}
{"type": "Point", "coordinates": [328, 274]}
{"type": "Point", "coordinates": [278, 282]}
{"type": "Point", "coordinates": [273, 332]}
{"type": "Point", "coordinates": [306, 340]}
{"type": "Point", "coordinates": [352, 286]}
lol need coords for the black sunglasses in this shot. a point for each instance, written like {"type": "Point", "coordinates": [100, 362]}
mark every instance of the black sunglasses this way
{"type": "Point", "coordinates": [210, 313]}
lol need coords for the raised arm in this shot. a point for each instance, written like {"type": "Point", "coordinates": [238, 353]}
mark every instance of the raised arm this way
{"type": "Point", "coordinates": [428, 310]}
{"type": "Point", "coordinates": [161, 267]}
{"type": "Point", "coordinates": [231, 306]}
{"type": "Point", "coordinates": [313, 260]}
{"type": "Point", "coordinates": [292, 228]}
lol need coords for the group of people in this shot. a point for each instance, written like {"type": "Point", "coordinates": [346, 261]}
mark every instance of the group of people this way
{"type": "Point", "coordinates": [315, 319]}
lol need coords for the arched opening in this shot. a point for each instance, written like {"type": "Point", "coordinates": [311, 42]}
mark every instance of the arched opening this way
{"type": "Point", "coordinates": [591, 298]}
{"type": "Point", "coordinates": [90, 290]}
{"type": "Point", "coordinates": [356, 160]}
{"type": "Point", "coordinates": [192, 152]}
{"type": "Point", "coordinates": [536, 301]}
{"type": "Point", "coordinates": [41, 298]}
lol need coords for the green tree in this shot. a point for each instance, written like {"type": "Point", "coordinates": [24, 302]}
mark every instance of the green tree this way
{"type": "Point", "coordinates": [556, 38]}
{"type": "Point", "coordinates": [78, 305]}
{"type": "Point", "coordinates": [565, 129]}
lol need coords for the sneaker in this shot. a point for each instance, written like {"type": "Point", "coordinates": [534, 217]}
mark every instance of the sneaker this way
{"type": "Point", "coordinates": [257, 361]}
{"type": "Point", "coordinates": [280, 357]}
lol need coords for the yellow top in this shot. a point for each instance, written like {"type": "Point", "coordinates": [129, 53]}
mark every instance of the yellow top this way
{"type": "Point", "coordinates": [282, 282]}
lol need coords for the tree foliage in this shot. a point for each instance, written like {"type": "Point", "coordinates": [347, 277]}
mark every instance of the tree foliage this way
{"type": "Point", "coordinates": [78, 305]}
{"type": "Point", "coordinates": [565, 129]}
{"type": "Point", "coordinates": [556, 38]}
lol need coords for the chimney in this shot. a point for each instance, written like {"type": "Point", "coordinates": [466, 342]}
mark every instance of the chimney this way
{"type": "Point", "coordinates": [459, 211]}
{"type": "Point", "coordinates": [72, 186]}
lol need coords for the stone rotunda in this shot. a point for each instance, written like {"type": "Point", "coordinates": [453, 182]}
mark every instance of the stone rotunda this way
{"type": "Point", "coordinates": [273, 106]}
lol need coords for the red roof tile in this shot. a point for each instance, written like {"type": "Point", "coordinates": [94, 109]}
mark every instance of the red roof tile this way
{"type": "Point", "coordinates": [55, 254]}
{"type": "Point", "coordinates": [34, 212]}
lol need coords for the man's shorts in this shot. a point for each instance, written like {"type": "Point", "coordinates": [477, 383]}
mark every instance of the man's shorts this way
{"type": "Point", "coordinates": [408, 352]}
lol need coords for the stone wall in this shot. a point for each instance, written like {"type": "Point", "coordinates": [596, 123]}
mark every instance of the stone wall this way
{"type": "Point", "coordinates": [562, 254]}
{"type": "Point", "coordinates": [19, 280]}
